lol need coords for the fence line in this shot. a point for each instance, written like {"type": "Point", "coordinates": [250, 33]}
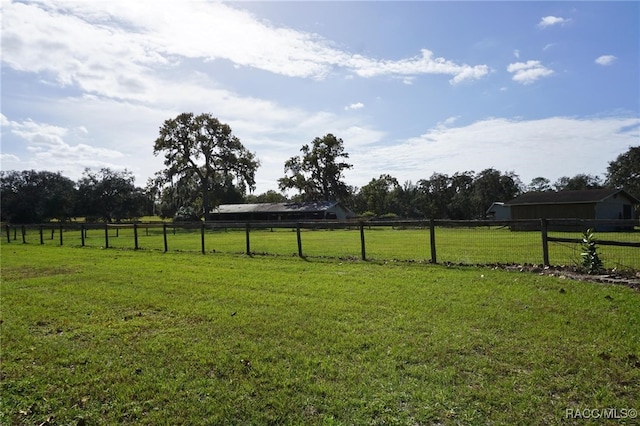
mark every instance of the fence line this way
{"type": "Point", "coordinates": [547, 228]}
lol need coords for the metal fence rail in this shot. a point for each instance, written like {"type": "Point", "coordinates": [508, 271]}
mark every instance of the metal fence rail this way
{"type": "Point", "coordinates": [548, 242]}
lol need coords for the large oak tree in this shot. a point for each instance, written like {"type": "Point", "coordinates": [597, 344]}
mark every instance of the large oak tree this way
{"type": "Point", "coordinates": [318, 173]}
{"type": "Point", "coordinates": [202, 148]}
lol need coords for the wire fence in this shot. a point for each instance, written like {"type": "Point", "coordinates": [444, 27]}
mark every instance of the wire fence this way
{"type": "Point", "coordinates": [548, 242]}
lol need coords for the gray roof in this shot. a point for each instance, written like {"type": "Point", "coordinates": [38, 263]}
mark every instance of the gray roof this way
{"type": "Point", "coordinates": [314, 206]}
{"type": "Point", "coordinates": [569, 197]}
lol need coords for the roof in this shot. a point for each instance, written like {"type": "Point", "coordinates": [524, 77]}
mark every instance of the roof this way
{"type": "Point", "coordinates": [496, 204]}
{"type": "Point", "coordinates": [313, 206]}
{"type": "Point", "coordinates": [569, 197]}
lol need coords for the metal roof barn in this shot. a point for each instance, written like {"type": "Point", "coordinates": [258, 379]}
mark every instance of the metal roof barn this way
{"type": "Point", "coordinates": [282, 211]}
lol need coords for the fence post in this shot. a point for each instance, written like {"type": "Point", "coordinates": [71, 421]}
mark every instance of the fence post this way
{"type": "Point", "coordinates": [299, 240]}
{"type": "Point", "coordinates": [106, 235]}
{"type": "Point", "coordinates": [53, 232]}
{"type": "Point", "coordinates": [60, 234]}
{"type": "Point", "coordinates": [432, 239]}
{"type": "Point", "coordinates": [41, 237]}
{"type": "Point", "coordinates": [247, 232]}
{"type": "Point", "coordinates": [545, 241]}
{"type": "Point", "coordinates": [82, 235]}
{"type": "Point", "coordinates": [15, 233]}
{"type": "Point", "coordinates": [8, 234]}
{"type": "Point", "coordinates": [24, 234]}
{"type": "Point", "coordinates": [164, 234]}
{"type": "Point", "coordinates": [135, 236]}
{"type": "Point", "coordinates": [202, 236]}
{"type": "Point", "coordinates": [362, 245]}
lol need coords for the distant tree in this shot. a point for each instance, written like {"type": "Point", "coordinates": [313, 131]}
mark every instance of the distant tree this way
{"type": "Point", "coordinates": [407, 200]}
{"type": "Point", "coordinates": [202, 148]}
{"type": "Point", "coordinates": [539, 184]}
{"type": "Point", "coordinates": [177, 193]}
{"type": "Point", "coordinates": [318, 173]}
{"type": "Point", "coordinates": [578, 182]}
{"type": "Point", "coordinates": [31, 196]}
{"type": "Point", "coordinates": [465, 195]}
{"type": "Point", "coordinates": [461, 205]}
{"type": "Point", "coordinates": [435, 195]}
{"type": "Point", "coordinates": [110, 195]}
{"type": "Point", "coordinates": [624, 171]}
{"type": "Point", "coordinates": [489, 186]}
{"type": "Point", "coordinates": [379, 195]}
{"type": "Point", "coordinates": [270, 196]}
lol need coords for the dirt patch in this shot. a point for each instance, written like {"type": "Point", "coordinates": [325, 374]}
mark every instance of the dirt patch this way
{"type": "Point", "coordinates": [25, 272]}
{"type": "Point", "coordinates": [629, 279]}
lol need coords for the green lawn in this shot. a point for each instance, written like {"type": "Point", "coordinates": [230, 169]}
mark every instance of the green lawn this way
{"type": "Point", "coordinates": [94, 336]}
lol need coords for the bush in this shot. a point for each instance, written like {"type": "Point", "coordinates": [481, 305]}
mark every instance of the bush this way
{"type": "Point", "coordinates": [590, 258]}
{"type": "Point", "coordinates": [186, 214]}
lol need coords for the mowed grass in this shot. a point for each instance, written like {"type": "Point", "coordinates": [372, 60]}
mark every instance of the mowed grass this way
{"type": "Point", "coordinates": [94, 336]}
{"type": "Point", "coordinates": [478, 245]}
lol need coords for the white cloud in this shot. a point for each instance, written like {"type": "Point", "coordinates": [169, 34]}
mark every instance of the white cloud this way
{"type": "Point", "coordinates": [548, 21]}
{"type": "Point", "coordinates": [449, 121]}
{"type": "Point", "coordinates": [110, 48]}
{"type": "Point", "coordinates": [357, 105]}
{"type": "Point", "coordinates": [516, 53]}
{"type": "Point", "coordinates": [47, 146]}
{"type": "Point", "coordinates": [605, 60]}
{"type": "Point", "coordinates": [528, 72]}
{"type": "Point", "coordinates": [522, 146]}
{"type": "Point", "coordinates": [425, 63]}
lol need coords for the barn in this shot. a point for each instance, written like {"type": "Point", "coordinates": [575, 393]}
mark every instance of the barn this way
{"type": "Point", "coordinates": [598, 204]}
{"type": "Point", "coordinates": [314, 210]}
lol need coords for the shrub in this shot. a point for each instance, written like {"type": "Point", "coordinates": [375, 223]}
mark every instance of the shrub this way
{"type": "Point", "coordinates": [186, 214]}
{"type": "Point", "coordinates": [590, 258]}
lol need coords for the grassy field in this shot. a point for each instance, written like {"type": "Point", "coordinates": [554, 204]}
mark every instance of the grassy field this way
{"type": "Point", "coordinates": [480, 245]}
{"type": "Point", "coordinates": [94, 336]}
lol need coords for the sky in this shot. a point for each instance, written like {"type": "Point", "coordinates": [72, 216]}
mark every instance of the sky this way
{"type": "Point", "coordinates": [540, 89]}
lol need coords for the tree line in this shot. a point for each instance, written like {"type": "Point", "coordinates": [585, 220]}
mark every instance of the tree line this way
{"type": "Point", "coordinates": [206, 165]}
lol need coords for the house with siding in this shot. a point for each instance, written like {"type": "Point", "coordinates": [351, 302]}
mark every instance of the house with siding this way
{"type": "Point", "coordinates": [498, 211]}
{"type": "Point", "coordinates": [597, 204]}
{"type": "Point", "coordinates": [315, 210]}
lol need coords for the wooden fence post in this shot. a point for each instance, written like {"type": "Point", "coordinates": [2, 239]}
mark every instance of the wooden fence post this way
{"type": "Point", "coordinates": [24, 234]}
{"type": "Point", "coordinates": [53, 232]}
{"type": "Point", "coordinates": [248, 239]}
{"type": "Point", "coordinates": [545, 241]}
{"type": "Point", "coordinates": [8, 233]}
{"type": "Point", "coordinates": [432, 239]}
{"type": "Point", "coordinates": [202, 236]}
{"type": "Point", "coordinates": [299, 240]}
{"type": "Point", "coordinates": [135, 236]}
{"type": "Point", "coordinates": [106, 235]}
{"type": "Point", "coordinates": [362, 245]}
{"type": "Point", "coordinates": [41, 237]}
{"type": "Point", "coordinates": [164, 234]}
{"type": "Point", "coordinates": [82, 235]}
{"type": "Point", "coordinates": [60, 234]}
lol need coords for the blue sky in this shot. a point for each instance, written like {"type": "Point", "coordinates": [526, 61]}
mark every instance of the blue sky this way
{"type": "Point", "coordinates": [545, 89]}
